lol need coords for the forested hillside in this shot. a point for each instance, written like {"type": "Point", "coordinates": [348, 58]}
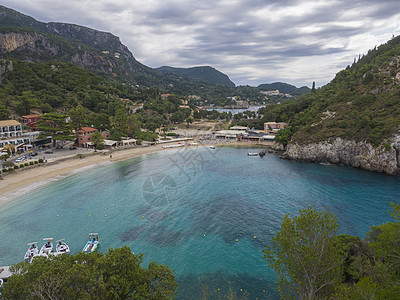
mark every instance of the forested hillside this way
{"type": "Point", "coordinates": [361, 103]}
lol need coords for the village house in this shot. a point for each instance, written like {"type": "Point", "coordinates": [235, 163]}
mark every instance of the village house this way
{"type": "Point", "coordinates": [31, 120]}
{"type": "Point", "coordinates": [84, 136]}
{"type": "Point", "coordinates": [268, 126]}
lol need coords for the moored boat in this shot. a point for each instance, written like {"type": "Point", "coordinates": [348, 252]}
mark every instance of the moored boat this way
{"type": "Point", "coordinates": [62, 247]}
{"type": "Point", "coordinates": [47, 247]}
{"type": "Point", "coordinates": [252, 154]}
{"type": "Point", "coordinates": [212, 147]}
{"type": "Point", "coordinates": [31, 252]}
{"type": "Point", "coordinates": [92, 243]}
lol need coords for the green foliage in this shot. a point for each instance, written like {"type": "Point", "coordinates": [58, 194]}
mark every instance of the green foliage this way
{"type": "Point", "coordinates": [98, 140]}
{"type": "Point", "coordinates": [361, 103]}
{"type": "Point", "coordinates": [78, 117]}
{"type": "Point", "coordinates": [304, 254]}
{"type": "Point", "coordinates": [8, 164]}
{"type": "Point", "coordinates": [116, 274]}
{"type": "Point", "coordinates": [283, 136]}
{"type": "Point", "coordinates": [55, 125]}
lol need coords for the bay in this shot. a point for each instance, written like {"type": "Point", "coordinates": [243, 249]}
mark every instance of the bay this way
{"type": "Point", "coordinates": [206, 213]}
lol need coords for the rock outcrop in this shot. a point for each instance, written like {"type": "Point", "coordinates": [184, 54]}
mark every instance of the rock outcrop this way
{"type": "Point", "coordinates": [351, 153]}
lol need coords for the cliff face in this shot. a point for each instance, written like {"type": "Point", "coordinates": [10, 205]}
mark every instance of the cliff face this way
{"type": "Point", "coordinates": [356, 154]}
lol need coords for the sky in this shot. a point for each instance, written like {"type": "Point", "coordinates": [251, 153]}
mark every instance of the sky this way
{"type": "Point", "coordinates": [252, 41]}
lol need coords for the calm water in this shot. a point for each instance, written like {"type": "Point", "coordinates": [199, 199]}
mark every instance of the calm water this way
{"type": "Point", "coordinates": [206, 213]}
{"type": "Point", "coordinates": [235, 111]}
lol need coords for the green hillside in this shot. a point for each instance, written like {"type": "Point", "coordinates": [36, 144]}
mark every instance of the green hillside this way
{"type": "Point", "coordinates": [361, 103]}
{"type": "Point", "coordinates": [203, 73]}
{"type": "Point", "coordinates": [285, 88]}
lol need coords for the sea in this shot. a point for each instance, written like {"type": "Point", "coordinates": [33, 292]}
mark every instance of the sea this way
{"type": "Point", "coordinates": [235, 111]}
{"type": "Point", "coordinates": [206, 213]}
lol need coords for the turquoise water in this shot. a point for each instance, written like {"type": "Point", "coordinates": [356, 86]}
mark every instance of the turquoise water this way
{"type": "Point", "coordinates": [206, 213]}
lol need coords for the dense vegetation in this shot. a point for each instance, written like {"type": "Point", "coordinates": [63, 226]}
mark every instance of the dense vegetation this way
{"type": "Point", "coordinates": [313, 262]}
{"type": "Point", "coordinates": [361, 103]}
{"type": "Point", "coordinates": [116, 274]}
{"type": "Point", "coordinates": [204, 73]}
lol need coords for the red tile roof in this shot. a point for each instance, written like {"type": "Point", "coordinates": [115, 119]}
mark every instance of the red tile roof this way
{"type": "Point", "coordinates": [86, 129]}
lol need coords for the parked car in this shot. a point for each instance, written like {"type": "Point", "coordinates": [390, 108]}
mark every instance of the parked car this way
{"type": "Point", "coordinates": [59, 147]}
{"type": "Point", "coordinates": [34, 154]}
{"type": "Point", "coordinates": [19, 159]}
{"type": "Point", "coordinates": [48, 151]}
{"type": "Point", "coordinates": [72, 148]}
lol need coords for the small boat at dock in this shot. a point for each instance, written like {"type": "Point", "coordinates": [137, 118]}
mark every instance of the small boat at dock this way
{"type": "Point", "coordinates": [212, 147]}
{"type": "Point", "coordinates": [47, 247]}
{"type": "Point", "coordinates": [92, 243]}
{"type": "Point", "coordinates": [31, 252]}
{"type": "Point", "coordinates": [252, 154]}
{"type": "Point", "coordinates": [62, 247]}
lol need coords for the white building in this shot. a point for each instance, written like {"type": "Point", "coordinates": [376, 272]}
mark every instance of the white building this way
{"type": "Point", "coordinates": [11, 133]}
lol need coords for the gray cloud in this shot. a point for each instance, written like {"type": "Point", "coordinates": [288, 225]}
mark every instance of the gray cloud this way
{"type": "Point", "coordinates": [252, 41]}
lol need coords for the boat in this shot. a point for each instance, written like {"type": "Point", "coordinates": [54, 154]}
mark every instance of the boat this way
{"type": "Point", "coordinates": [212, 147]}
{"type": "Point", "coordinates": [47, 247]}
{"type": "Point", "coordinates": [62, 247]}
{"type": "Point", "coordinates": [252, 154]}
{"type": "Point", "coordinates": [92, 243]}
{"type": "Point", "coordinates": [31, 252]}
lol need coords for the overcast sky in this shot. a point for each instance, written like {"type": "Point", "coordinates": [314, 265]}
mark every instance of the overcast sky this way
{"type": "Point", "coordinates": [252, 41]}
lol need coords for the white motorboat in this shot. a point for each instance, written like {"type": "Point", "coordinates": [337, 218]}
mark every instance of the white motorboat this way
{"type": "Point", "coordinates": [31, 252]}
{"type": "Point", "coordinates": [212, 147]}
{"type": "Point", "coordinates": [62, 247]}
{"type": "Point", "coordinates": [252, 154]}
{"type": "Point", "coordinates": [92, 243]}
{"type": "Point", "coordinates": [47, 247]}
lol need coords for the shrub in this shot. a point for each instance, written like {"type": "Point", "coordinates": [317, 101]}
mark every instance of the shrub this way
{"type": "Point", "coordinates": [171, 134]}
{"type": "Point", "coordinates": [8, 164]}
{"type": "Point", "coordinates": [5, 170]}
{"type": "Point", "coordinates": [387, 147]}
{"type": "Point", "coordinates": [16, 167]}
{"type": "Point", "coordinates": [31, 163]}
{"type": "Point", "coordinates": [40, 160]}
{"type": "Point", "coordinates": [36, 162]}
{"type": "Point", "coordinates": [26, 164]}
{"type": "Point", "coordinates": [21, 165]}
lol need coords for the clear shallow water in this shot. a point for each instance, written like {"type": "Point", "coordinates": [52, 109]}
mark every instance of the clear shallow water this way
{"type": "Point", "coordinates": [206, 213]}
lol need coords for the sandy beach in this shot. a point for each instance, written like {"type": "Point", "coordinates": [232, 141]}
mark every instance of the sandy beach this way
{"type": "Point", "coordinates": [19, 183]}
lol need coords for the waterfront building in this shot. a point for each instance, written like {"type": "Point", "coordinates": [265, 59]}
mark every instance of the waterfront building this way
{"type": "Point", "coordinates": [84, 136]}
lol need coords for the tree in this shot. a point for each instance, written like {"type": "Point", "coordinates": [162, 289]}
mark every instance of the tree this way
{"type": "Point", "coordinates": [55, 125]}
{"type": "Point", "coordinates": [117, 274]}
{"type": "Point", "coordinates": [313, 87]}
{"type": "Point", "coordinates": [98, 140]}
{"type": "Point", "coordinates": [3, 111]}
{"type": "Point", "coordinates": [304, 256]}
{"type": "Point", "coordinates": [119, 121]}
{"type": "Point", "coordinates": [133, 123]}
{"type": "Point", "coordinates": [78, 117]}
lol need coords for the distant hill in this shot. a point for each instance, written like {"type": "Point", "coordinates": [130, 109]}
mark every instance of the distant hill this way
{"type": "Point", "coordinates": [203, 73]}
{"type": "Point", "coordinates": [285, 88]}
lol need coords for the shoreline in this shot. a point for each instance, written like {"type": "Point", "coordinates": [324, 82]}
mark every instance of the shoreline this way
{"type": "Point", "coordinates": [20, 183]}
{"type": "Point", "coordinates": [17, 184]}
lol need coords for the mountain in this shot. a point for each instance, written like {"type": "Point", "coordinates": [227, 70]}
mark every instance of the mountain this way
{"type": "Point", "coordinates": [285, 88]}
{"type": "Point", "coordinates": [354, 119]}
{"type": "Point", "coordinates": [24, 38]}
{"type": "Point", "coordinates": [202, 73]}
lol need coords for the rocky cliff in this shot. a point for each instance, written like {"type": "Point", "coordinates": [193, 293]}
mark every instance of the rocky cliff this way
{"type": "Point", "coordinates": [350, 153]}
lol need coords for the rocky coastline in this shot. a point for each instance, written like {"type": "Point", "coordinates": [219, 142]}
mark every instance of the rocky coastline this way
{"type": "Point", "coordinates": [350, 153]}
